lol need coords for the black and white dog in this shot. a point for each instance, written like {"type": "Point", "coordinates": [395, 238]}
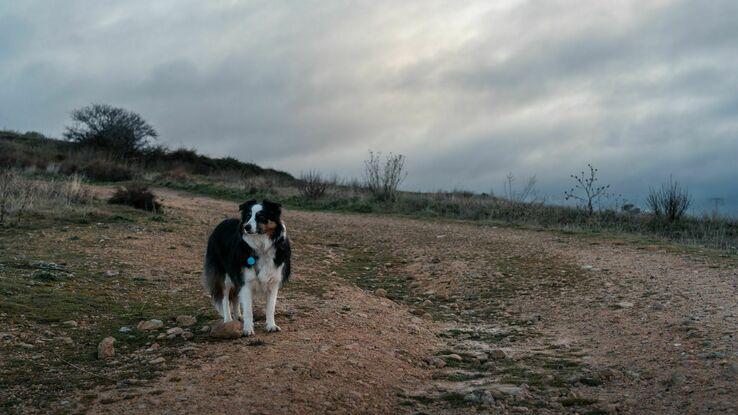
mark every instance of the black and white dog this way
{"type": "Point", "coordinates": [246, 257]}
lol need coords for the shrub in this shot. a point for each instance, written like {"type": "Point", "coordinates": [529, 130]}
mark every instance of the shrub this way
{"type": "Point", "coordinates": [312, 185]}
{"type": "Point", "coordinates": [383, 179]}
{"type": "Point", "coordinates": [670, 201]}
{"type": "Point", "coordinates": [116, 130]}
{"type": "Point", "coordinates": [106, 171]}
{"type": "Point", "coordinates": [138, 196]}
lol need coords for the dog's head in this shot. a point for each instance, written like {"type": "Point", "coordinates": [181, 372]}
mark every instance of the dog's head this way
{"type": "Point", "coordinates": [261, 218]}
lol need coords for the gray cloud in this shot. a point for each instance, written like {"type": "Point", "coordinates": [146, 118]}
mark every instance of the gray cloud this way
{"type": "Point", "coordinates": [468, 91]}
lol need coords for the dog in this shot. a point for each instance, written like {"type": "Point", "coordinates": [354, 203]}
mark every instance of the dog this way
{"type": "Point", "coordinates": [246, 257]}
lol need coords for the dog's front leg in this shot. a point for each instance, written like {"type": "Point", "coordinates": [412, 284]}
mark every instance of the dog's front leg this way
{"type": "Point", "coordinates": [244, 297]}
{"type": "Point", "coordinates": [271, 305]}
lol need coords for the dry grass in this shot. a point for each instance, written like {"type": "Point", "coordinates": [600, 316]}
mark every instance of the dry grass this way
{"type": "Point", "coordinates": [21, 196]}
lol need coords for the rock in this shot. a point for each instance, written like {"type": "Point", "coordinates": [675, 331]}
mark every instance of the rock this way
{"type": "Point", "coordinates": [161, 336]}
{"type": "Point", "coordinates": [427, 303]}
{"type": "Point", "coordinates": [111, 273]}
{"type": "Point", "coordinates": [124, 329]}
{"type": "Point", "coordinates": [66, 340]}
{"type": "Point", "coordinates": [204, 329]}
{"type": "Point", "coordinates": [453, 356]}
{"type": "Point", "coordinates": [500, 391]}
{"type": "Point", "coordinates": [231, 330]}
{"type": "Point", "coordinates": [148, 325]}
{"type": "Point", "coordinates": [380, 292]}
{"type": "Point", "coordinates": [106, 348]}
{"type": "Point", "coordinates": [624, 304]}
{"type": "Point", "coordinates": [157, 361]}
{"type": "Point", "coordinates": [6, 337]}
{"type": "Point", "coordinates": [435, 361]}
{"type": "Point", "coordinates": [176, 331]}
{"type": "Point", "coordinates": [497, 354]}
{"type": "Point", "coordinates": [187, 335]}
{"type": "Point", "coordinates": [186, 321]}
{"type": "Point", "coordinates": [480, 396]}
{"type": "Point", "coordinates": [70, 323]}
{"type": "Point", "coordinates": [26, 345]}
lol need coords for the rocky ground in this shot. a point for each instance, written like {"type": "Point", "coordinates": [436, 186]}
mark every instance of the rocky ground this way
{"type": "Point", "coordinates": [383, 315]}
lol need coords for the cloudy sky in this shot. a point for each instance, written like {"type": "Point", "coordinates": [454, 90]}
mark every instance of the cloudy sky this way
{"type": "Point", "coordinates": [467, 90]}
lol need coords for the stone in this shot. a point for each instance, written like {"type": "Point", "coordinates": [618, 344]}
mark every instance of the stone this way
{"type": "Point", "coordinates": [186, 321]}
{"type": "Point", "coordinates": [187, 335]}
{"type": "Point", "coordinates": [176, 331]}
{"type": "Point", "coordinates": [435, 361]}
{"type": "Point", "coordinates": [124, 329]}
{"type": "Point", "coordinates": [149, 325]}
{"type": "Point", "coordinates": [70, 323]}
{"type": "Point", "coordinates": [111, 273]}
{"type": "Point", "coordinates": [380, 292]}
{"type": "Point", "coordinates": [624, 304]}
{"type": "Point", "coordinates": [231, 330]}
{"type": "Point", "coordinates": [204, 329]}
{"type": "Point", "coordinates": [157, 361]}
{"type": "Point", "coordinates": [106, 348]}
{"type": "Point", "coordinates": [657, 306]}
{"type": "Point", "coordinates": [454, 357]}
{"type": "Point", "coordinates": [66, 340]}
{"type": "Point", "coordinates": [497, 354]}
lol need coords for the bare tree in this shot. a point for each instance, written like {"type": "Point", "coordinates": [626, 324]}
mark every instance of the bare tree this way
{"type": "Point", "coordinates": [528, 193]}
{"type": "Point", "coordinates": [670, 201]}
{"type": "Point", "coordinates": [384, 178]}
{"type": "Point", "coordinates": [586, 191]}
{"type": "Point", "coordinates": [122, 132]}
{"type": "Point", "coordinates": [312, 185]}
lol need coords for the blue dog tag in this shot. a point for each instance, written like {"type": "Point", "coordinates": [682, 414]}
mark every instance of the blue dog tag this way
{"type": "Point", "coordinates": [251, 261]}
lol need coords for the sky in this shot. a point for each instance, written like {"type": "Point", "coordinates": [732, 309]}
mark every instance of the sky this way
{"type": "Point", "coordinates": [467, 91]}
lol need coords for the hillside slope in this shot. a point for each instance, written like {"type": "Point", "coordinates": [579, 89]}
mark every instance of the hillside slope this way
{"type": "Point", "coordinates": [387, 315]}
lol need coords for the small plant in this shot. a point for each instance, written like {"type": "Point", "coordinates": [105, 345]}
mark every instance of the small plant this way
{"type": "Point", "coordinates": [384, 179]}
{"type": "Point", "coordinates": [312, 185]}
{"type": "Point", "coordinates": [586, 190]}
{"type": "Point", "coordinates": [670, 201]}
{"type": "Point", "coordinates": [138, 196]}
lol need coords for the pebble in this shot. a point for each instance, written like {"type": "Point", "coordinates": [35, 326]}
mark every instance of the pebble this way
{"type": "Point", "coordinates": [624, 304]}
{"type": "Point", "coordinates": [454, 356]}
{"type": "Point", "coordinates": [70, 323]}
{"type": "Point", "coordinates": [186, 321]}
{"type": "Point", "coordinates": [187, 335]}
{"type": "Point", "coordinates": [204, 329]}
{"type": "Point", "coordinates": [125, 329]}
{"type": "Point", "coordinates": [380, 292]}
{"type": "Point", "coordinates": [175, 331]}
{"type": "Point", "coordinates": [497, 354]}
{"type": "Point", "coordinates": [157, 361]}
{"type": "Point", "coordinates": [148, 325]}
{"type": "Point", "coordinates": [106, 348]}
{"type": "Point", "coordinates": [435, 361]}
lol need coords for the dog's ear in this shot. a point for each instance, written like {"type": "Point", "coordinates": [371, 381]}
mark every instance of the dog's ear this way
{"type": "Point", "coordinates": [272, 206]}
{"type": "Point", "coordinates": [247, 205]}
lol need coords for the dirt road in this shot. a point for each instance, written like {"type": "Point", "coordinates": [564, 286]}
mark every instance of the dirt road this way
{"type": "Point", "coordinates": [392, 315]}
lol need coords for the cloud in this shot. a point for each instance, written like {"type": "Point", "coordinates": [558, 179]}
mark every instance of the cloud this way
{"type": "Point", "coordinates": [468, 91]}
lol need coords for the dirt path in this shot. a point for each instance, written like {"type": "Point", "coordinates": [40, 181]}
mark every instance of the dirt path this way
{"type": "Point", "coordinates": [388, 315]}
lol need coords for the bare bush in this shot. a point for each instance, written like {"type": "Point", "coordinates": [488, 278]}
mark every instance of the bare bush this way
{"type": "Point", "coordinates": [528, 194]}
{"type": "Point", "coordinates": [312, 185]}
{"type": "Point", "coordinates": [384, 178]}
{"type": "Point", "coordinates": [586, 190]}
{"type": "Point", "coordinates": [136, 195]}
{"type": "Point", "coordinates": [20, 195]}
{"type": "Point", "coordinates": [670, 201]}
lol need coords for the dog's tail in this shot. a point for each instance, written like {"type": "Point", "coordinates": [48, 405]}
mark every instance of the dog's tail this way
{"type": "Point", "coordinates": [213, 279]}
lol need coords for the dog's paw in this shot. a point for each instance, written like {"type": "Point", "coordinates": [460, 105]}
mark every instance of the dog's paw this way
{"type": "Point", "coordinates": [248, 331]}
{"type": "Point", "coordinates": [272, 328]}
